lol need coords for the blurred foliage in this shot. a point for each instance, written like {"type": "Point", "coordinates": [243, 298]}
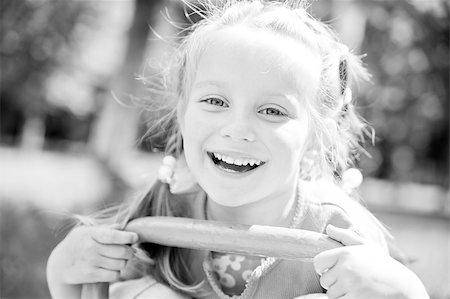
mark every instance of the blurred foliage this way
{"type": "Point", "coordinates": [407, 46]}
{"type": "Point", "coordinates": [36, 39]}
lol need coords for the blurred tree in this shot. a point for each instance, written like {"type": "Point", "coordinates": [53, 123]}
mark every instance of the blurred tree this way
{"type": "Point", "coordinates": [115, 130]}
{"type": "Point", "coordinates": [33, 35]}
{"type": "Point", "coordinates": [407, 46]}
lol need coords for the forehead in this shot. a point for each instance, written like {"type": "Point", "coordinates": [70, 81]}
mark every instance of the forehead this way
{"type": "Point", "coordinates": [257, 52]}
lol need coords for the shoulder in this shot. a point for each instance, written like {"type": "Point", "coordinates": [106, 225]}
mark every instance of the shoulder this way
{"type": "Point", "coordinates": [329, 203]}
{"type": "Point", "coordinates": [145, 287]}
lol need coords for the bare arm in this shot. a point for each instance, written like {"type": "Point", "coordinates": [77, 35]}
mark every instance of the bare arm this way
{"type": "Point", "coordinates": [59, 289]}
{"type": "Point", "coordinates": [87, 255]}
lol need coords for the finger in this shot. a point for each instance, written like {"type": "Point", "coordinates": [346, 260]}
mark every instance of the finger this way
{"type": "Point", "coordinates": [112, 236]}
{"type": "Point", "coordinates": [326, 260]}
{"type": "Point", "coordinates": [329, 278]}
{"type": "Point", "coordinates": [110, 264]}
{"type": "Point", "coordinates": [116, 251]}
{"type": "Point", "coordinates": [118, 226]}
{"type": "Point", "coordinates": [346, 236]}
{"type": "Point", "coordinates": [336, 291]}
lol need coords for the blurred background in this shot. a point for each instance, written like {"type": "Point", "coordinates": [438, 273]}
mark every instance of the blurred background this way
{"type": "Point", "coordinates": [69, 131]}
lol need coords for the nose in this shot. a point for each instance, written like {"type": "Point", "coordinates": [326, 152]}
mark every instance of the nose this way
{"type": "Point", "coordinates": [239, 130]}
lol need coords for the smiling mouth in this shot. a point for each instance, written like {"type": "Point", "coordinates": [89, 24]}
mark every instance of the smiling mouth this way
{"type": "Point", "coordinates": [230, 164]}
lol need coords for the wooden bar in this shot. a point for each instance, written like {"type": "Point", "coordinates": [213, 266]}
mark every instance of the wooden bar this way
{"type": "Point", "coordinates": [256, 240]}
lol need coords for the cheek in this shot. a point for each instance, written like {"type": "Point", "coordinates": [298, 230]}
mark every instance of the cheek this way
{"type": "Point", "coordinates": [191, 139]}
{"type": "Point", "coordinates": [196, 128]}
{"type": "Point", "coordinates": [292, 142]}
{"type": "Point", "coordinates": [194, 120]}
{"type": "Point", "coordinates": [190, 125]}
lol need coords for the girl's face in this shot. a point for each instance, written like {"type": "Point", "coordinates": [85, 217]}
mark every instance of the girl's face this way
{"type": "Point", "coordinates": [246, 127]}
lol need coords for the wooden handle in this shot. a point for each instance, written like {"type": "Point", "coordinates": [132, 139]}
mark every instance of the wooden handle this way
{"type": "Point", "coordinates": [257, 240]}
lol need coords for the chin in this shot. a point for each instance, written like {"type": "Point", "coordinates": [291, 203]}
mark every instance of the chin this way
{"type": "Point", "coordinates": [228, 204]}
{"type": "Point", "coordinates": [224, 197]}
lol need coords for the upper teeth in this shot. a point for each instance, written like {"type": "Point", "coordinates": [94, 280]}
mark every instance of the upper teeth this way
{"type": "Point", "coordinates": [240, 162]}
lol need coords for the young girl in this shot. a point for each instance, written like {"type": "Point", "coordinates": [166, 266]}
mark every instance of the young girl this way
{"type": "Point", "coordinates": [262, 133]}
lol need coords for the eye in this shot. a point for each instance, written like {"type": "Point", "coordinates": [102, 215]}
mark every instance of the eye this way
{"type": "Point", "coordinates": [215, 101]}
{"type": "Point", "coordinates": [272, 112]}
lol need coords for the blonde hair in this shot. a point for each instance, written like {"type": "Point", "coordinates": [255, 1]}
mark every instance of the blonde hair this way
{"type": "Point", "coordinates": [338, 130]}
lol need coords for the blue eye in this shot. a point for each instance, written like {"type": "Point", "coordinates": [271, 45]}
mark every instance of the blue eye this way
{"type": "Point", "coordinates": [215, 101]}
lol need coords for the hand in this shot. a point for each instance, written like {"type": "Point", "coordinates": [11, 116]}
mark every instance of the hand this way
{"type": "Point", "coordinates": [360, 270]}
{"type": "Point", "coordinates": [91, 254]}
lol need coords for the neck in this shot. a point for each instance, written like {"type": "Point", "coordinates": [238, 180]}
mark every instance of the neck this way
{"type": "Point", "coordinates": [275, 210]}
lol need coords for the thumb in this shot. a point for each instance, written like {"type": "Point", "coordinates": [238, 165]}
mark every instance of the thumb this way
{"type": "Point", "coordinates": [313, 296]}
{"type": "Point", "coordinates": [346, 236]}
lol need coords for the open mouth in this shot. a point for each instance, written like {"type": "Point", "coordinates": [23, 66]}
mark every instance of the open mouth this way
{"type": "Point", "coordinates": [230, 164]}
